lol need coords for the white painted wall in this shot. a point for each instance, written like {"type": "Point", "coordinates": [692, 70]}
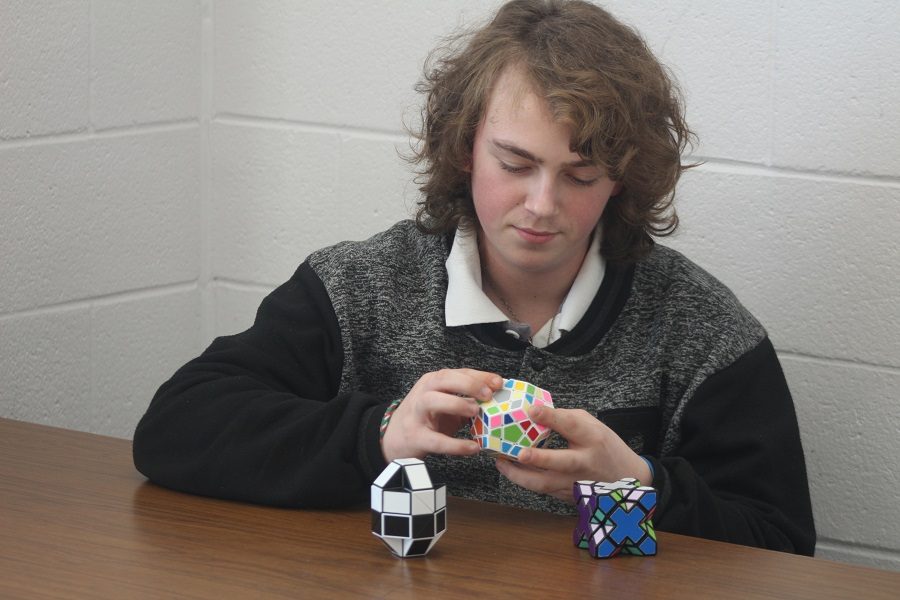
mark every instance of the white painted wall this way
{"type": "Point", "coordinates": [163, 165]}
{"type": "Point", "coordinates": [100, 194]}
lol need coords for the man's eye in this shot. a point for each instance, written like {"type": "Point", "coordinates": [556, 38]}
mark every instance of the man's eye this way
{"type": "Point", "coordinates": [584, 182]}
{"type": "Point", "coordinates": [512, 168]}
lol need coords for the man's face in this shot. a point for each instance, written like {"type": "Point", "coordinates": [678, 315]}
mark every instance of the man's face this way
{"type": "Point", "coordinates": [537, 201]}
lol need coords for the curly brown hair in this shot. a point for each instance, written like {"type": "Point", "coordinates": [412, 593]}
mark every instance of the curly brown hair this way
{"type": "Point", "coordinates": [598, 77]}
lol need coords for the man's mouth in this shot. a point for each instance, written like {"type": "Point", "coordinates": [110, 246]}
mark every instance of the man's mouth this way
{"type": "Point", "coordinates": [535, 235]}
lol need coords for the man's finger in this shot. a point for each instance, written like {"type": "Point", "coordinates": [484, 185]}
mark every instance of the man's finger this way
{"type": "Point", "coordinates": [574, 425]}
{"type": "Point", "coordinates": [450, 404]}
{"type": "Point", "coordinates": [537, 480]}
{"type": "Point", "coordinates": [438, 443]}
{"type": "Point", "coordinates": [467, 382]}
{"type": "Point", "coordinates": [559, 459]}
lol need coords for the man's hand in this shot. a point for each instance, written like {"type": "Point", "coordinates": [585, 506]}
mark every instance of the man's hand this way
{"type": "Point", "coordinates": [595, 453]}
{"type": "Point", "coordinates": [434, 409]}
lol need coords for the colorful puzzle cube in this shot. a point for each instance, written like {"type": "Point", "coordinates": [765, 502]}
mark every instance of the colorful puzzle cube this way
{"type": "Point", "coordinates": [502, 426]}
{"type": "Point", "coordinates": [615, 517]}
{"type": "Point", "coordinates": [409, 513]}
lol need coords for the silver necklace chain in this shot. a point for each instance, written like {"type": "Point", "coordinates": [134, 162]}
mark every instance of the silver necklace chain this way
{"type": "Point", "coordinates": [511, 313]}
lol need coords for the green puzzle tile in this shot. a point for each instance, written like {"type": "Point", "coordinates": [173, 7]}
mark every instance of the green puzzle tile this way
{"type": "Point", "coordinates": [512, 433]}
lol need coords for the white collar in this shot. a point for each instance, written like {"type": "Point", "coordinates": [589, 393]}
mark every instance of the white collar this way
{"type": "Point", "coordinates": [467, 304]}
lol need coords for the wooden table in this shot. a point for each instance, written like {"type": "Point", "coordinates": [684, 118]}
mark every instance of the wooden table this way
{"type": "Point", "coordinates": [77, 521]}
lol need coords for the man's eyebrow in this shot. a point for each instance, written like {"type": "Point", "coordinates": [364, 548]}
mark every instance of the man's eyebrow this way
{"type": "Point", "coordinates": [512, 148]}
{"type": "Point", "coordinates": [517, 151]}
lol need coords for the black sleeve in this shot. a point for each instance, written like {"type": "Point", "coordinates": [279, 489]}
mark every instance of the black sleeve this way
{"type": "Point", "coordinates": [257, 417]}
{"type": "Point", "coordinates": [739, 473]}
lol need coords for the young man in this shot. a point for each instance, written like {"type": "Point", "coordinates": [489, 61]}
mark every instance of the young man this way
{"type": "Point", "coordinates": [551, 146]}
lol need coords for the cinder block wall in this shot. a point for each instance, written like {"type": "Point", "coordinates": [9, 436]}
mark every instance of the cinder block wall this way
{"type": "Point", "coordinates": [796, 208]}
{"type": "Point", "coordinates": [164, 165]}
{"type": "Point", "coordinates": [101, 162]}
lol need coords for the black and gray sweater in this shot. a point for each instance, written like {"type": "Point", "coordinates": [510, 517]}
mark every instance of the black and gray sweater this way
{"type": "Point", "coordinates": [287, 412]}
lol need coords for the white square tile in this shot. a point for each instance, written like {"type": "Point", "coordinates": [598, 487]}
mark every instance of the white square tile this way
{"type": "Point", "coordinates": [422, 502]}
{"type": "Point", "coordinates": [417, 477]}
{"type": "Point", "coordinates": [387, 474]}
{"type": "Point", "coordinates": [396, 502]}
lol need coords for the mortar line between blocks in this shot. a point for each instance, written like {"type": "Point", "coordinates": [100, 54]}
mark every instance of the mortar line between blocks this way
{"type": "Point", "coordinates": [859, 546]}
{"type": "Point", "coordinates": [844, 362]}
{"type": "Point", "coordinates": [736, 167]}
{"type": "Point", "coordinates": [245, 286]}
{"type": "Point", "coordinates": [91, 49]}
{"type": "Point", "coordinates": [102, 300]}
{"type": "Point", "coordinates": [309, 126]}
{"type": "Point", "coordinates": [848, 553]}
{"type": "Point", "coordinates": [75, 137]}
{"type": "Point", "coordinates": [207, 64]}
{"type": "Point", "coordinates": [773, 77]}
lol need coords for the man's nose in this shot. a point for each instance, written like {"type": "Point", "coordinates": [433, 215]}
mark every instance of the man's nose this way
{"type": "Point", "coordinates": [542, 198]}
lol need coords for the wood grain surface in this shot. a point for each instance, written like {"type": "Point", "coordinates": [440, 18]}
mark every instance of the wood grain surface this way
{"type": "Point", "coordinates": [77, 521]}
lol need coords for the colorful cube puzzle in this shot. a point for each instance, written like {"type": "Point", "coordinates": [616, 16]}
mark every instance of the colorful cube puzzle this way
{"type": "Point", "coordinates": [615, 517]}
{"type": "Point", "coordinates": [409, 513]}
{"type": "Point", "coordinates": [502, 426]}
